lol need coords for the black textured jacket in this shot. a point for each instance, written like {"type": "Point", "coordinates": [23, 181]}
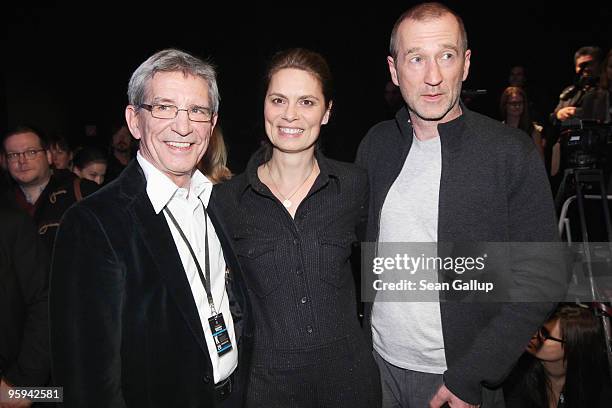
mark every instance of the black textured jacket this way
{"type": "Point", "coordinates": [297, 270]}
{"type": "Point", "coordinates": [493, 188]}
{"type": "Point", "coordinates": [125, 329]}
{"type": "Point", "coordinates": [24, 283]}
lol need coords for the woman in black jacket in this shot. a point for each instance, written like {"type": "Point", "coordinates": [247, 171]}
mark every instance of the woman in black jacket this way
{"type": "Point", "coordinates": [293, 216]}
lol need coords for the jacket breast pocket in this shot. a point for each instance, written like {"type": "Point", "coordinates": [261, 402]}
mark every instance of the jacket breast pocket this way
{"type": "Point", "coordinates": [334, 258]}
{"type": "Point", "coordinates": [258, 260]}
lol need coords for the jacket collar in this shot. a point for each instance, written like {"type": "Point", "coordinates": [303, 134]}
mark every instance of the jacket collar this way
{"type": "Point", "coordinates": [132, 181]}
{"type": "Point", "coordinates": [451, 133]}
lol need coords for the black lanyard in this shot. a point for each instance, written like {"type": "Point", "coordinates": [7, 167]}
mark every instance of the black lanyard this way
{"type": "Point", "coordinates": [205, 280]}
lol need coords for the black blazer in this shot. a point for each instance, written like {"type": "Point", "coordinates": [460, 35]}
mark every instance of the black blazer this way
{"type": "Point", "coordinates": [125, 330]}
{"type": "Point", "coordinates": [24, 280]}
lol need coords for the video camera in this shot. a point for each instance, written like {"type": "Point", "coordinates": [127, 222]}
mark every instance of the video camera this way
{"type": "Point", "coordinates": [588, 144]}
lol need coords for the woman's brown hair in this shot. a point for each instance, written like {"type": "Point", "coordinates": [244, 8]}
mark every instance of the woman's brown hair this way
{"type": "Point", "coordinates": [214, 162]}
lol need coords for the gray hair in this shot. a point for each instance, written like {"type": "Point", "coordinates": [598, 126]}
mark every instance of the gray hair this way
{"type": "Point", "coordinates": [172, 60]}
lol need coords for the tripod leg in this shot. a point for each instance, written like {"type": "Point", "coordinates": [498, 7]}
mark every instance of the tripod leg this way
{"type": "Point", "coordinates": [606, 210]}
{"type": "Point", "coordinates": [605, 319]}
{"type": "Point", "coordinates": [560, 197]}
{"type": "Point", "coordinates": [581, 213]}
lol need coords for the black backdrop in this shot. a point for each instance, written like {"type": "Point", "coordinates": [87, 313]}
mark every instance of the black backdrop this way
{"type": "Point", "coordinates": [67, 66]}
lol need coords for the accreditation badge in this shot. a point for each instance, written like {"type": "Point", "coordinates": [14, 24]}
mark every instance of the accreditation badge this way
{"type": "Point", "coordinates": [223, 343]}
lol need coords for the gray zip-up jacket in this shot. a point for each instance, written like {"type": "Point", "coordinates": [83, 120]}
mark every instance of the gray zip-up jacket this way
{"type": "Point", "coordinates": [493, 188]}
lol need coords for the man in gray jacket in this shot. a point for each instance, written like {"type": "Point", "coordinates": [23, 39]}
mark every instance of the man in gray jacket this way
{"type": "Point", "coordinates": [439, 173]}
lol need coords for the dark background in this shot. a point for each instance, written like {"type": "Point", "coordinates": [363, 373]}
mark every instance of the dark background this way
{"type": "Point", "coordinates": [67, 66]}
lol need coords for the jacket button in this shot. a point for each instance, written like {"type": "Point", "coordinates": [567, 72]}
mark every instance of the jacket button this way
{"type": "Point", "coordinates": [304, 300]}
{"type": "Point", "coordinates": [309, 329]}
{"type": "Point", "coordinates": [207, 379]}
{"type": "Point", "coordinates": [298, 271]}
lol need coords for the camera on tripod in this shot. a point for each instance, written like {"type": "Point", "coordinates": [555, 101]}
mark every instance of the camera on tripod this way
{"type": "Point", "coordinates": [587, 143]}
{"type": "Point", "coordinates": [586, 150]}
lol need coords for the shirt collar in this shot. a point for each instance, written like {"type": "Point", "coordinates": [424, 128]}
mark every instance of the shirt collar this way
{"type": "Point", "coordinates": [161, 189]}
{"type": "Point", "coordinates": [327, 171]}
{"type": "Point", "coordinates": [451, 133]}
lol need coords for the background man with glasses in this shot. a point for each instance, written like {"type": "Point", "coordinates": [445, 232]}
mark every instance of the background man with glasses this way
{"type": "Point", "coordinates": [43, 193]}
{"type": "Point", "coordinates": [147, 302]}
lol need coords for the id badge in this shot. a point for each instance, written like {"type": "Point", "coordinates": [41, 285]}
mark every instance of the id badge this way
{"type": "Point", "coordinates": [223, 343]}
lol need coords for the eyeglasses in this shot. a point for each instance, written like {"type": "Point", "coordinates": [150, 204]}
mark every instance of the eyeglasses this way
{"type": "Point", "coordinates": [544, 334]}
{"type": "Point", "coordinates": [28, 155]}
{"type": "Point", "coordinates": [195, 113]}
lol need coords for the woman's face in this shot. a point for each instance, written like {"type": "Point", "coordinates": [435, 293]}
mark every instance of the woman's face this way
{"type": "Point", "coordinates": [294, 110]}
{"type": "Point", "coordinates": [515, 105]}
{"type": "Point", "coordinates": [94, 171]}
{"type": "Point", "coordinates": [61, 158]}
{"type": "Point", "coordinates": [547, 349]}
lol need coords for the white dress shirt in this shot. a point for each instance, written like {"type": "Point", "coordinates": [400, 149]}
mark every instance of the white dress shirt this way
{"type": "Point", "coordinates": [186, 207]}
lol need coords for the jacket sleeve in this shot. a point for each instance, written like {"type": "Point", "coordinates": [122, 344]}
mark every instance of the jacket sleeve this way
{"type": "Point", "coordinates": [538, 272]}
{"type": "Point", "coordinates": [361, 159]}
{"type": "Point", "coordinates": [31, 264]}
{"type": "Point", "coordinates": [86, 298]}
{"type": "Point", "coordinates": [362, 216]}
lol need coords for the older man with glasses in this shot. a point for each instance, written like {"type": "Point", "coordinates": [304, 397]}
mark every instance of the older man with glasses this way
{"type": "Point", "coordinates": [147, 302]}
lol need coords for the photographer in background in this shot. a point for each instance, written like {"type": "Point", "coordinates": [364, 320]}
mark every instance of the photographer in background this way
{"type": "Point", "coordinates": [596, 104]}
{"type": "Point", "coordinates": [586, 63]}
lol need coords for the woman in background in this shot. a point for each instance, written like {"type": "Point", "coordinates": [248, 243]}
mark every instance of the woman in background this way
{"type": "Point", "coordinates": [514, 112]}
{"type": "Point", "coordinates": [565, 364]}
{"type": "Point", "coordinates": [61, 153]}
{"type": "Point", "coordinates": [90, 163]}
{"type": "Point", "coordinates": [214, 161]}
